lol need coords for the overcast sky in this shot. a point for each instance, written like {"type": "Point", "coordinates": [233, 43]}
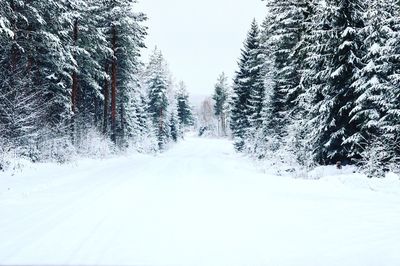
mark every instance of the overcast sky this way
{"type": "Point", "coordinates": [200, 38]}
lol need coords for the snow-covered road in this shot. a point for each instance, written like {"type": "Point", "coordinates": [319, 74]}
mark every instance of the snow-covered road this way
{"type": "Point", "coordinates": [197, 204]}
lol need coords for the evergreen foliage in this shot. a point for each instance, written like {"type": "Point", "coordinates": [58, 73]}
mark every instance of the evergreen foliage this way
{"type": "Point", "coordinates": [330, 83]}
{"type": "Point", "coordinates": [63, 80]}
{"type": "Point", "coordinates": [163, 105]}
{"type": "Point", "coordinates": [247, 87]}
{"type": "Point", "coordinates": [185, 113]}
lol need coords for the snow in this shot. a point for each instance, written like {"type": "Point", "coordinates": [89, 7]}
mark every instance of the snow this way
{"type": "Point", "coordinates": [375, 48]}
{"type": "Point", "coordinates": [197, 204]}
{"type": "Point", "coordinates": [370, 67]}
{"type": "Point", "coordinates": [5, 29]}
{"type": "Point", "coordinates": [349, 31]}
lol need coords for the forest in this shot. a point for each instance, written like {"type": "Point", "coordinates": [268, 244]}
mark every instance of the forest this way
{"type": "Point", "coordinates": [73, 82]}
{"type": "Point", "coordinates": [317, 84]}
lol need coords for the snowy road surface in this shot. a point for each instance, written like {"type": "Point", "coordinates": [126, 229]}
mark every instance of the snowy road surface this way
{"type": "Point", "coordinates": [197, 204]}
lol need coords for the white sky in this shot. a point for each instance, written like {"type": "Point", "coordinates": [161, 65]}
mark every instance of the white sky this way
{"type": "Point", "coordinates": [200, 38]}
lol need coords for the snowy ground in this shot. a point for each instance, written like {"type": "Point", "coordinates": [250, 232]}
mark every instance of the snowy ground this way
{"type": "Point", "coordinates": [197, 204]}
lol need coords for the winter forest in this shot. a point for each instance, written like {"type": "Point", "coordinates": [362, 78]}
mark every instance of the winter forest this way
{"type": "Point", "coordinates": [109, 157]}
{"type": "Point", "coordinates": [317, 83]}
{"type": "Point", "coordinates": [72, 81]}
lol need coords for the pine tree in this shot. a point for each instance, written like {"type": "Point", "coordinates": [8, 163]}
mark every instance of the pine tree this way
{"type": "Point", "coordinates": [283, 40]}
{"type": "Point", "coordinates": [157, 83]}
{"type": "Point", "coordinates": [50, 62]}
{"type": "Point", "coordinates": [185, 113]}
{"type": "Point", "coordinates": [85, 38]}
{"type": "Point", "coordinates": [391, 119]}
{"type": "Point", "coordinates": [174, 122]}
{"type": "Point", "coordinates": [125, 37]}
{"type": "Point", "coordinates": [140, 130]}
{"type": "Point", "coordinates": [373, 85]}
{"type": "Point", "coordinates": [333, 61]}
{"type": "Point", "coordinates": [246, 80]}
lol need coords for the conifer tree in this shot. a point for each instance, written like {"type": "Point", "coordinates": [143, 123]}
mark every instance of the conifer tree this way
{"type": "Point", "coordinates": [125, 37]}
{"type": "Point", "coordinates": [157, 82]}
{"type": "Point", "coordinates": [373, 85]}
{"type": "Point", "coordinates": [283, 39]}
{"type": "Point", "coordinates": [333, 62]}
{"type": "Point", "coordinates": [185, 113]}
{"type": "Point", "coordinates": [391, 120]}
{"type": "Point", "coordinates": [247, 79]}
{"type": "Point", "coordinates": [86, 40]}
{"type": "Point", "coordinates": [174, 122]}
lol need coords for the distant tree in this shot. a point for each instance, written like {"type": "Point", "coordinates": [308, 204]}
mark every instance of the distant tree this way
{"type": "Point", "coordinates": [220, 98]}
{"type": "Point", "coordinates": [207, 121]}
{"type": "Point", "coordinates": [185, 113]}
{"type": "Point", "coordinates": [157, 83]}
{"type": "Point", "coordinates": [174, 123]}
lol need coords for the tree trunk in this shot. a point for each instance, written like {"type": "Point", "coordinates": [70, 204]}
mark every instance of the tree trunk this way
{"type": "Point", "coordinates": [96, 112]}
{"type": "Point", "coordinates": [74, 93]}
{"type": "Point", "coordinates": [223, 122]}
{"type": "Point", "coordinates": [14, 38]}
{"type": "Point", "coordinates": [219, 127]}
{"type": "Point", "coordinates": [106, 94]}
{"type": "Point", "coordinates": [122, 117]}
{"type": "Point", "coordinates": [160, 129]}
{"type": "Point", "coordinates": [161, 120]}
{"type": "Point", "coordinates": [114, 85]}
{"type": "Point", "coordinates": [74, 90]}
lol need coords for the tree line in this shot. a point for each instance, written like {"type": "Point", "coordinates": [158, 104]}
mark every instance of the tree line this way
{"type": "Point", "coordinates": [69, 68]}
{"type": "Point", "coordinates": [319, 80]}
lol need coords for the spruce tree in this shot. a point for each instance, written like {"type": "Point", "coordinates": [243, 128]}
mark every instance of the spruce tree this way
{"type": "Point", "coordinates": [174, 122]}
{"type": "Point", "coordinates": [247, 80]}
{"type": "Point", "coordinates": [373, 85]}
{"type": "Point", "coordinates": [391, 120]}
{"type": "Point", "coordinates": [283, 40]}
{"type": "Point", "coordinates": [157, 82]}
{"type": "Point", "coordinates": [333, 61]}
{"type": "Point", "coordinates": [185, 113]}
